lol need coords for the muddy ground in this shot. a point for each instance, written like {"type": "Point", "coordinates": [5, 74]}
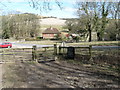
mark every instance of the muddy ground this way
{"type": "Point", "coordinates": [0, 76]}
{"type": "Point", "coordinates": [57, 74]}
{"type": "Point", "coordinates": [21, 72]}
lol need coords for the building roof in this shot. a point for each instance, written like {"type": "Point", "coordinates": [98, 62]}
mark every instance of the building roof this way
{"type": "Point", "coordinates": [51, 31]}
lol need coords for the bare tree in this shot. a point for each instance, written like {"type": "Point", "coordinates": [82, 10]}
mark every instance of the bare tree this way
{"type": "Point", "coordinates": [20, 26]}
{"type": "Point", "coordinates": [116, 16]}
{"type": "Point", "coordinates": [84, 8]}
{"type": "Point", "coordinates": [44, 5]}
{"type": "Point", "coordinates": [97, 14]}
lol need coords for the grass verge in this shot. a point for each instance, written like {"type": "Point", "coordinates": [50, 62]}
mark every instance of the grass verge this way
{"type": "Point", "coordinates": [50, 42]}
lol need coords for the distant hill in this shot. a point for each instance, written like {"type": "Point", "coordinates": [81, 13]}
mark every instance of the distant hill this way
{"type": "Point", "coordinates": [52, 21]}
{"type": "Point", "coordinates": [10, 12]}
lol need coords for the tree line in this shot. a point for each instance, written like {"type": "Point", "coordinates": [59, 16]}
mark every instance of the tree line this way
{"type": "Point", "coordinates": [20, 26]}
{"type": "Point", "coordinates": [99, 17]}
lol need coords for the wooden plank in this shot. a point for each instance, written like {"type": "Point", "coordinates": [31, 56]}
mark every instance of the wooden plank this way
{"type": "Point", "coordinates": [76, 47]}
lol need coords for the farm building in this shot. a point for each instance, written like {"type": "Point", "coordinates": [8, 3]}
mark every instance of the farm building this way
{"type": "Point", "coordinates": [50, 33]}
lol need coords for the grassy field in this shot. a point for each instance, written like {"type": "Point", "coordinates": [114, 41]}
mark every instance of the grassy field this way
{"type": "Point", "coordinates": [50, 42]}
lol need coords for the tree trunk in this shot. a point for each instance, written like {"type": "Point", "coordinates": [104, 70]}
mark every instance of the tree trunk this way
{"type": "Point", "coordinates": [90, 33]}
{"type": "Point", "coordinates": [99, 37]}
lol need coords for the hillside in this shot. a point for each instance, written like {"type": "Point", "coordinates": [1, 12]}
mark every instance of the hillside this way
{"type": "Point", "coordinates": [52, 21]}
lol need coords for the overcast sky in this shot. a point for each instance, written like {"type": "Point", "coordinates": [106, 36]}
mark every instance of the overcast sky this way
{"type": "Point", "coordinates": [23, 6]}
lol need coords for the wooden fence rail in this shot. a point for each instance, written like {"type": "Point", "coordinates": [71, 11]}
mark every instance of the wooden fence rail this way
{"type": "Point", "coordinates": [80, 47]}
{"type": "Point", "coordinates": [38, 52]}
{"type": "Point", "coordinates": [57, 50]}
{"type": "Point", "coordinates": [11, 55]}
{"type": "Point", "coordinates": [35, 52]}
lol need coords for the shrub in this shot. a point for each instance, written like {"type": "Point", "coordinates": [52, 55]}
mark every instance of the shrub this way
{"type": "Point", "coordinates": [39, 38]}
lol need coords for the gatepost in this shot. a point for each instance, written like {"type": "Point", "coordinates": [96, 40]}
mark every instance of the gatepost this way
{"type": "Point", "coordinates": [34, 53]}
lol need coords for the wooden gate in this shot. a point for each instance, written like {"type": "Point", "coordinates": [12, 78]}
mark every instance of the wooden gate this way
{"type": "Point", "coordinates": [15, 55]}
{"type": "Point", "coordinates": [45, 54]}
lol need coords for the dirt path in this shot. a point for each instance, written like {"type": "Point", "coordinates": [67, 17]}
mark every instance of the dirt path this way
{"type": "Point", "coordinates": [0, 76]}
{"type": "Point", "coordinates": [55, 75]}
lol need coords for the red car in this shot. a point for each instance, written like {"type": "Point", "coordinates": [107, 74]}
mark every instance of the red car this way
{"type": "Point", "coordinates": [6, 45]}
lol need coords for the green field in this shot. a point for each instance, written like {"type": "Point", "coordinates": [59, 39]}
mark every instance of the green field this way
{"type": "Point", "coordinates": [50, 42]}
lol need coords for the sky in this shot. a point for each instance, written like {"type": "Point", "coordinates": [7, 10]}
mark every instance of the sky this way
{"type": "Point", "coordinates": [23, 6]}
{"type": "Point", "coordinates": [68, 8]}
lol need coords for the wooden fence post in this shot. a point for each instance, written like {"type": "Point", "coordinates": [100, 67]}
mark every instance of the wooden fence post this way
{"type": "Point", "coordinates": [59, 50]}
{"type": "Point", "coordinates": [90, 51]}
{"type": "Point", "coordinates": [55, 49]}
{"type": "Point", "coordinates": [34, 53]}
{"type": "Point", "coordinates": [45, 49]}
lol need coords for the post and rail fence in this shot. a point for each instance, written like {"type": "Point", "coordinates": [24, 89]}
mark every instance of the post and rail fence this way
{"type": "Point", "coordinates": [41, 53]}
{"type": "Point", "coordinates": [69, 51]}
{"type": "Point", "coordinates": [51, 53]}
